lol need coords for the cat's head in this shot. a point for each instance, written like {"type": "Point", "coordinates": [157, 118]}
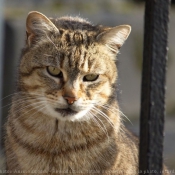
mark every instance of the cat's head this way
{"type": "Point", "coordinates": [69, 64]}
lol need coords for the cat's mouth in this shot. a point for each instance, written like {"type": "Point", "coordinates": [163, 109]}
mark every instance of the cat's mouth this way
{"type": "Point", "coordinates": [66, 112]}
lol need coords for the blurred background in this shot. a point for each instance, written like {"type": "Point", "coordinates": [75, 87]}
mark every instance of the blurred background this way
{"type": "Point", "coordinates": [107, 12]}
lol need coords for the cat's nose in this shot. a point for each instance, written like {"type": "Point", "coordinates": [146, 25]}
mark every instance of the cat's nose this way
{"type": "Point", "coordinates": [70, 100]}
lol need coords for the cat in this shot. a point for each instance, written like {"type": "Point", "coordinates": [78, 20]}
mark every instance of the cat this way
{"type": "Point", "coordinates": [65, 116]}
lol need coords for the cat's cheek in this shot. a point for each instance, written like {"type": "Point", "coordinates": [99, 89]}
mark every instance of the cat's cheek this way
{"type": "Point", "coordinates": [31, 84]}
{"type": "Point", "coordinates": [104, 93]}
{"type": "Point", "coordinates": [54, 102]}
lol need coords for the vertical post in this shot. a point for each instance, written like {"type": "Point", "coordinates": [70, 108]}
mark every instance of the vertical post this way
{"type": "Point", "coordinates": [153, 86]}
{"type": "Point", "coordinates": [1, 66]}
{"type": "Point", "coordinates": [8, 72]}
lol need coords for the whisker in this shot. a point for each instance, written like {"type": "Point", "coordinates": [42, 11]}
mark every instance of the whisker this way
{"type": "Point", "coordinates": [103, 115]}
{"type": "Point", "coordinates": [39, 110]}
{"type": "Point", "coordinates": [10, 95]}
{"type": "Point", "coordinates": [94, 118]}
{"type": "Point", "coordinates": [19, 93]}
{"type": "Point", "coordinates": [114, 109]}
{"type": "Point", "coordinates": [30, 105]}
{"type": "Point", "coordinates": [21, 101]}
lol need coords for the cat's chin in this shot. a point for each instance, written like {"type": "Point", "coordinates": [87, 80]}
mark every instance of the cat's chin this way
{"type": "Point", "coordinates": [69, 114]}
{"type": "Point", "coordinates": [66, 112]}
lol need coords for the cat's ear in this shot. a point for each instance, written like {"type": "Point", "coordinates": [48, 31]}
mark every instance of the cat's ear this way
{"type": "Point", "coordinates": [114, 37]}
{"type": "Point", "coordinates": [38, 24]}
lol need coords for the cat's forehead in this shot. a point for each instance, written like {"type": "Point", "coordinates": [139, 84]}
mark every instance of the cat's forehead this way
{"type": "Point", "coordinates": [78, 58]}
{"type": "Point", "coordinates": [78, 50]}
{"type": "Point", "coordinates": [76, 30]}
{"type": "Point", "coordinates": [77, 38]}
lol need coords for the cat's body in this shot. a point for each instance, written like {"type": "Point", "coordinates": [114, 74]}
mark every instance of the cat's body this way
{"type": "Point", "coordinates": [69, 147]}
{"type": "Point", "coordinates": [65, 117]}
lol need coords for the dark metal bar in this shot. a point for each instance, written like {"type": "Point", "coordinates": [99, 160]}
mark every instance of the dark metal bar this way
{"type": "Point", "coordinates": [1, 65]}
{"type": "Point", "coordinates": [8, 72]}
{"type": "Point", "coordinates": [153, 86]}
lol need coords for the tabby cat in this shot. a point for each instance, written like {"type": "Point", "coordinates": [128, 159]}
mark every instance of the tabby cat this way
{"type": "Point", "coordinates": [64, 116]}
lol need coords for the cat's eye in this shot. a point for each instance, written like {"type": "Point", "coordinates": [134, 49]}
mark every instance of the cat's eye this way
{"type": "Point", "coordinates": [54, 71]}
{"type": "Point", "coordinates": [90, 77]}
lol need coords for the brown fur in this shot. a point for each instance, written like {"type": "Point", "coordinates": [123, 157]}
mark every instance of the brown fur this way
{"type": "Point", "coordinates": [42, 134]}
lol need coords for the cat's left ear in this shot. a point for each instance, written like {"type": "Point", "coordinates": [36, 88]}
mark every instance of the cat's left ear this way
{"type": "Point", "coordinates": [114, 37]}
{"type": "Point", "coordinates": [38, 25]}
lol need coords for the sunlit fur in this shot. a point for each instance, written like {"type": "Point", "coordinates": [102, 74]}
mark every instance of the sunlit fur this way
{"type": "Point", "coordinates": [45, 134]}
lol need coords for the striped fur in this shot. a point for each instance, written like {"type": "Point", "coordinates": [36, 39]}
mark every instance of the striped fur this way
{"type": "Point", "coordinates": [47, 135]}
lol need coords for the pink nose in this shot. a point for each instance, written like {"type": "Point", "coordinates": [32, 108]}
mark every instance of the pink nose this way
{"type": "Point", "coordinates": [70, 100]}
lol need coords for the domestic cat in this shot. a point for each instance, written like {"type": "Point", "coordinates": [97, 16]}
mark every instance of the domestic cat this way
{"type": "Point", "coordinates": [64, 116]}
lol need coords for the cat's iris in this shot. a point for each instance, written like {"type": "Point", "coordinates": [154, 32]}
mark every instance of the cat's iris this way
{"type": "Point", "coordinates": [54, 71]}
{"type": "Point", "coordinates": [90, 77]}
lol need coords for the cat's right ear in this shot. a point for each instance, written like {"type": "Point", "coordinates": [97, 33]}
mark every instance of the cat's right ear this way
{"type": "Point", "coordinates": [114, 37]}
{"type": "Point", "coordinates": [38, 25]}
